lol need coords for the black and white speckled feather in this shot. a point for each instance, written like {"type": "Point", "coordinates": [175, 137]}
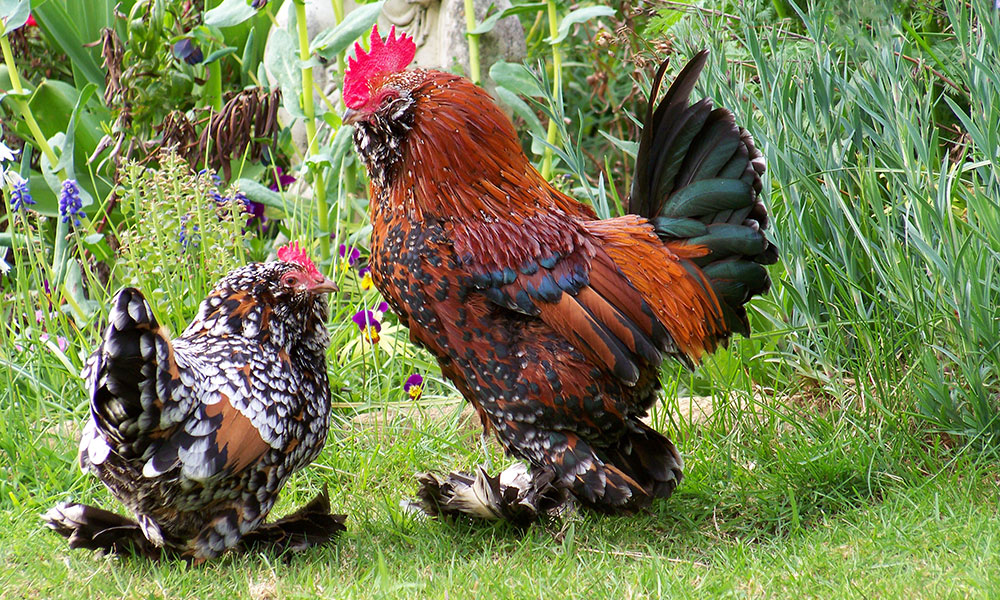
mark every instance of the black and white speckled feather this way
{"type": "Point", "coordinates": [197, 435]}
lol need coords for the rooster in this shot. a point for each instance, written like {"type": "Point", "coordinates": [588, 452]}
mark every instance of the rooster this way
{"type": "Point", "coordinates": [196, 435]}
{"type": "Point", "coordinates": [552, 323]}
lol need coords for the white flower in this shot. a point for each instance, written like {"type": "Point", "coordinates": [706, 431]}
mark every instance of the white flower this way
{"type": "Point", "coordinates": [6, 154]}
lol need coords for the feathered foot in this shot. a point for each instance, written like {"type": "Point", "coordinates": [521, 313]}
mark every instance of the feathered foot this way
{"type": "Point", "coordinates": [312, 525]}
{"type": "Point", "coordinates": [516, 495]}
{"type": "Point", "coordinates": [109, 533]}
{"type": "Point", "coordinates": [97, 529]}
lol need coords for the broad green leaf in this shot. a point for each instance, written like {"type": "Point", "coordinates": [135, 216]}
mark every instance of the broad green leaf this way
{"type": "Point", "coordinates": [74, 25]}
{"type": "Point", "coordinates": [53, 177]}
{"type": "Point", "coordinates": [81, 308]}
{"type": "Point", "coordinates": [66, 161]}
{"type": "Point", "coordinates": [319, 160]}
{"type": "Point", "coordinates": [260, 194]}
{"type": "Point", "coordinates": [282, 61]}
{"type": "Point", "coordinates": [515, 78]}
{"type": "Point", "coordinates": [96, 243]}
{"type": "Point", "coordinates": [358, 22]}
{"type": "Point", "coordinates": [13, 14]}
{"type": "Point", "coordinates": [221, 52]}
{"type": "Point", "coordinates": [491, 21]}
{"type": "Point", "coordinates": [49, 173]}
{"type": "Point", "coordinates": [580, 15]}
{"type": "Point", "coordinates": [53, 104]}
{"type": "Point", "coordinates": [229, 13]}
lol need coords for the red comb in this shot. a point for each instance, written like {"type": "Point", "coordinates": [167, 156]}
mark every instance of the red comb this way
{"type": "Point", "coordinates": [390, 56]}
{"type": "Point", "coordinates": [295, 254]}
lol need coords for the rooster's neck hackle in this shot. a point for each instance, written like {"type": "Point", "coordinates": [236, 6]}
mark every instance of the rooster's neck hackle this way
{"type": "Point", "coordinates": [379, 141]}
{"type": "Point", "coordinates": [445, 150]}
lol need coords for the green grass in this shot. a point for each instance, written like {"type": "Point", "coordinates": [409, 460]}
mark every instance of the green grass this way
{"type": "Point", "coordinates": [851, 447]}
{"type": "Point", "coordinates": [817, 520]}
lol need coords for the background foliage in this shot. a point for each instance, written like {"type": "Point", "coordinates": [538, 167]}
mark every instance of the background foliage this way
{"type": "Point", "coordinates": [859, 424]}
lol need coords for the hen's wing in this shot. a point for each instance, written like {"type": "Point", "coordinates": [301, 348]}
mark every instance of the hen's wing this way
{"type": "Point", "coordinates": [160, 404]}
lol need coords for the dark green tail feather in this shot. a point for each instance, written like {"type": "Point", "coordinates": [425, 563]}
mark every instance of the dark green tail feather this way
{"type": "Point", "coordinates": [697, 178]}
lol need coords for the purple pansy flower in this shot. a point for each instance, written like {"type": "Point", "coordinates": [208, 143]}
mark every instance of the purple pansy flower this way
{"type": "Point", "coordinates": [187, 51]}
{"type": "Point", "coordinates": [281, 180]}
{"type": "Point", "coordinates": [414, 386]}
{"type": "Point", "coordinates": [369, 325]}
{"type": "Point", "coordinates": [366, 283]}
{"type": "Point", "coordinates": [351, 253]}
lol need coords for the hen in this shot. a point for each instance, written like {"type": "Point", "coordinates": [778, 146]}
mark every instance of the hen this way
{"type": "Point", "coordinates": [196, 435]}
{"type": "Point", "coordinates": [551, 322]}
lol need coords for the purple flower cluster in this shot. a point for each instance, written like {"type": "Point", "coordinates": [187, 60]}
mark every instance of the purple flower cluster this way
{"type": "Point", "coordinates": [20, 195]}
{"type": "Point", "coordinates": [189, 239]}
{"type": "Point", "coordinates": [70, 205]}
{"type": "Point", "coordinates": [255, 210]}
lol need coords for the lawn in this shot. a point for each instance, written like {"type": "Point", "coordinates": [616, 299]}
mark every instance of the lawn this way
{"type": "Point", "coordinates": [846, 450]}
{"type": "Point", "coordinates": [824, 519]}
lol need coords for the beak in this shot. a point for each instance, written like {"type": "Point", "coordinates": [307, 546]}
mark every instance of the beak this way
{"type": "Point", "coordinates": [351, 116]}
{"type": "Point", "coordinates": [324, 286]}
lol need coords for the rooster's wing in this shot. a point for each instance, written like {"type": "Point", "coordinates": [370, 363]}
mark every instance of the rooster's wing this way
{"type": "Point", "coordinates": [579, 278]}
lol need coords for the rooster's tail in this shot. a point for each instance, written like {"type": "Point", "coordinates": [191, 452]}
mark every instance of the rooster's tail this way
{"type": "Point", "coordinates": [697, 180]}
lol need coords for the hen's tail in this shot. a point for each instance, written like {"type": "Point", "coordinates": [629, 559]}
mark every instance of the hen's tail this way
{"type": "Point", "coordinates": [697, 180]}
{"type": "Point", "coordinates": [130, 378]}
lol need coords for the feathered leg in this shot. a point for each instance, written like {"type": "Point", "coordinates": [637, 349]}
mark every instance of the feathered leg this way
{"type": "Point", "coordinates": [101, 530]}
{"type": "Point", "coordinates": [109, 533]}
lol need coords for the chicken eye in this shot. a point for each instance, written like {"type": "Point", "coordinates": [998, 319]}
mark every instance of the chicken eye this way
{"type": "Point", "coordinates": [291, 280]}
{"type": "Point", "coordinates": [387, 97]}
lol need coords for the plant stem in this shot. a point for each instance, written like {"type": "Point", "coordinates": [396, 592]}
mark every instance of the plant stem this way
{"type": "Point", "coordinates": [213, 87]}
{"type": "Point", "coordinates": [470, 24]}
{"type": "Point", "coordinates": [552, 132]}
{"type": "Point", "coordinates": [62, 228]}
{"type": "Point", "coordinates": [338, 14]}
{"type": "Point", "coordinates": [22, 105]}
{"type": "Point", "coordinates": [319, 184]}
